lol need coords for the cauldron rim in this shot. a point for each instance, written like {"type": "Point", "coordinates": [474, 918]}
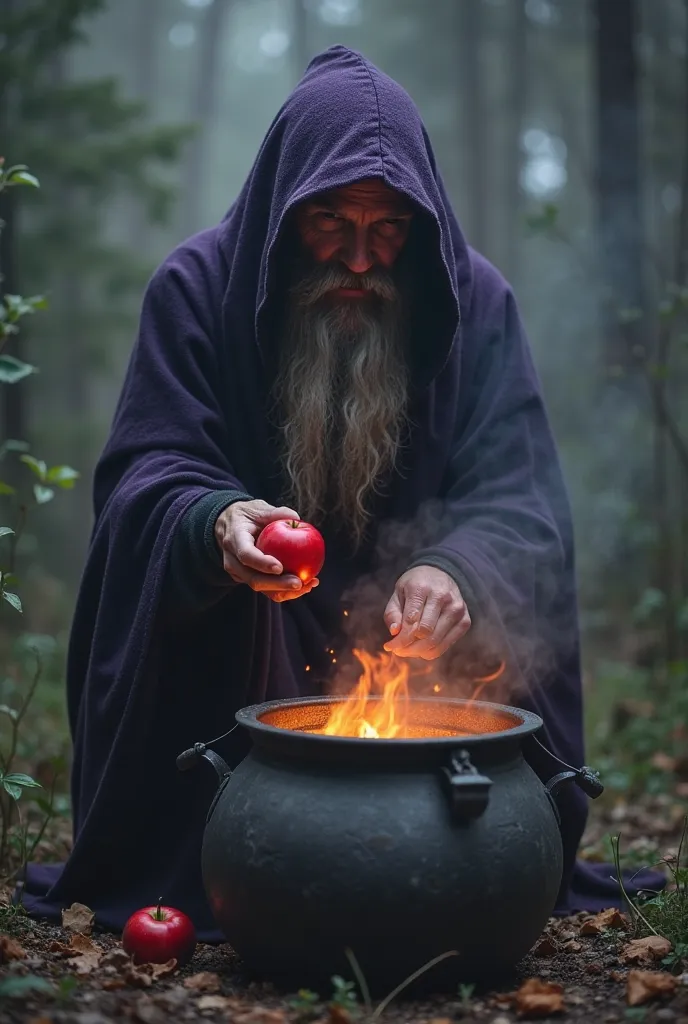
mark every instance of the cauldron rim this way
{"type": "Point", "coordinates": [249, 718]}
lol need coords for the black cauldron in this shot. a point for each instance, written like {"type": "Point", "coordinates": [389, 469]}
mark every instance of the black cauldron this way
{"type": "Point", "coordinates": [397, 850]}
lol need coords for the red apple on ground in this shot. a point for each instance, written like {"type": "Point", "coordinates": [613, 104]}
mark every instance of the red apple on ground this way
{"type": "Point", "coordinates": [297, 545]}
{"type": "Point", "coordinates": [154, 935]}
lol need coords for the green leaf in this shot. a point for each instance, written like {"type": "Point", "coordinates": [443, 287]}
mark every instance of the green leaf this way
{"type": "Point", "coordinates": [23, 178]}
{"type": "Point", "coordinates": [5, 709]}
{"type": "Point", "coordinates": [13, 370]}
{"type": "Point", "coordinates": [12, 599]}
{"type": "Point", "coordinates": [18, 306]}
{"type": "Point", "coordinates": [43, 494]}
{"type": "Point", "coordinates": [19, 779]}
{"type": "Point", "coordinates": [5, 531]}
{"type": "Point", "coordinates": [36, 466]}
{"type": "Point", "coordinates": [44, 805]}
{"type": "Point", "coordinates": [24, 986]}
{"type": "Point", "coordinates": [14, 791]}
{"type": "Point", "coordinates": [63, 476]}
{"type": "Point", "coordinates": [13, 446]}
{"type": "Point", "coordinates": [6, 488]}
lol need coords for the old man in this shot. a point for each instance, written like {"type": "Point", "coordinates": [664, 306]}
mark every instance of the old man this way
{"type": "Point", "coordinates": [332, 350]}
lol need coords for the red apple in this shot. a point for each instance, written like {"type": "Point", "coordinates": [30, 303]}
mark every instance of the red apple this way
{"type": "Point", "coordinates": [297, 545]}
{"type": "Point", "coordinates": [154, 935]}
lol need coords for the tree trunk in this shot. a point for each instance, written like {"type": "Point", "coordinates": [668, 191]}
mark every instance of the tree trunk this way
{"type": "Point", "coordinates": [473, 121]}
{"type": "Point", "coordinates": [300, 38]}
{"type": "Point", "coordinates": [518, 93]}
{"type": "Point", "coordinates": [201, 114]}
{"type": "Point", "coordinates": [145, 75]}
{"type": "Point", "coordinates": [619, 193]}
{"type": "Point", "coordinates": [14, 404]}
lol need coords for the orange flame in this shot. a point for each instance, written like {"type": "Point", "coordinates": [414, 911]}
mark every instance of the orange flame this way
{"type": "Point", "coordinates": [483, 681]}
{"type": "Point", "coordinates": [386, 718]}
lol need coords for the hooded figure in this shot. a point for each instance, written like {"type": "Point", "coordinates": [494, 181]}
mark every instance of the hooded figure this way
{"type": "Point", "coordinates": [166, 645]}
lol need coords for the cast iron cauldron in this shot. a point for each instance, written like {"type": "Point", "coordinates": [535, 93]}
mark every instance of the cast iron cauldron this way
{"type": "Point", "coordinates": [399, 850]}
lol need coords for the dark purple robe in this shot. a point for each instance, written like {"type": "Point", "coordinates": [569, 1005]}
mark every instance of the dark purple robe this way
{"type": "Point", "coordinates": [146, 681]}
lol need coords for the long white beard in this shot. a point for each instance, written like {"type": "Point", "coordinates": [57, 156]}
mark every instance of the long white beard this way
{"type": "Point", "coordinates": [341, 395]}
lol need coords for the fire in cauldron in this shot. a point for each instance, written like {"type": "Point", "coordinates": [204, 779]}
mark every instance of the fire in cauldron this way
{"type": "Point", "coordinates": [396, 827]}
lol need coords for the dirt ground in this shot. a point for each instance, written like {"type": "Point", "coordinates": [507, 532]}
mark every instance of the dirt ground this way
{"type": "Point", "coordinates": [584, 969]}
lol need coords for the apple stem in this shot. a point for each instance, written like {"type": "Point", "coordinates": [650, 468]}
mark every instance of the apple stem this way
{"type": "Point", "coordinates": [158, 911]}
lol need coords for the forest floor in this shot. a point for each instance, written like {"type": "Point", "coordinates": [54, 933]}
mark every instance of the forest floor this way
{"type": "Point", "coordinates": [583, 969]}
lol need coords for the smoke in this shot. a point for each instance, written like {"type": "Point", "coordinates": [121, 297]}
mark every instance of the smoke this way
{"type": "Point", "coordinates": [505, 654]}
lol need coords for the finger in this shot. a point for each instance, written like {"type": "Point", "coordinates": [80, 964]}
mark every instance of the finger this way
{"type": "Point", "coordinates": [428, 650]}
{"type": "Point", "coordinates": [451, 614]}
{"type": "Point", "coordinates": [271, 515]}
{"type": "Point", "coordinates": [285, 595]}
{"type": "Point", "coordinates": [393, 614]}
{"type": "Point", "coordinates": [244, 544]}
{"type": "Point", "coordinates": [256, 579]}
{"type": "Point", "coordinates": [434, 610]}
{"type": "Point", "coordinates": [414, 604]}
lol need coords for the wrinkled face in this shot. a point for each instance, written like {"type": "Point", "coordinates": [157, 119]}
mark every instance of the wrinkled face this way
{"type": "Point", "coordinates": [342, 386]}
{"type": "Point", "coordinates": [362, 226]}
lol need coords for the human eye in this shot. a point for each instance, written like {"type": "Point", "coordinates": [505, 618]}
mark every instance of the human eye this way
{"type": "Point", "coordinates": [391, 226]}
{"type": "Point", "coordinates": [327, 220]}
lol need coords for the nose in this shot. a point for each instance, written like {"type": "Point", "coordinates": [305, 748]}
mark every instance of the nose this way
{"type": "Point", "coordinates": [357, 255]}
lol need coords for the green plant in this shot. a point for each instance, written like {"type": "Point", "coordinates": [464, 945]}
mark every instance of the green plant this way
{"type": "Point", "coordinates": [344, 995]}
{"type": "Point", "coordinates": [465, 995]}
{"type": "Point", "coordinates": [665, 913]}
{"type": "Point", "coordinates": [18, 840]}
{"type": "Point", "coordinates": [306, 1004]}
{"type": "Point", "coordinates": [635, 741]}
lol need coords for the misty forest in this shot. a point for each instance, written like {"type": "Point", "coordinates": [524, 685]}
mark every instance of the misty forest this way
{"type": "Point", "coordinates": [560, 128]}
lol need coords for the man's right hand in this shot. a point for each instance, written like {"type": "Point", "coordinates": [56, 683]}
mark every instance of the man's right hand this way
{"type": "Point", "coordinates": [236, 531]}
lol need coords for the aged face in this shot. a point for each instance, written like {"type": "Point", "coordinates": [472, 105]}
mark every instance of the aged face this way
{"type": "Point", "coordinates": [342, 385]}
{"type": "Point", "coordinates": [362, 226]}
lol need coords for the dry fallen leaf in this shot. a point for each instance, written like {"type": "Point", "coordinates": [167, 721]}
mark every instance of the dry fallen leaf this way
{"type": "Point", "coordinates": [204, 981]}
{"type": "Point", "coordinates": [338, 1015]}
{"type": "Point", "coordinates": [10, 950]}
{"type": "Point", "coordinates": [214, 1003]}
{"type": "Point", "coordinates": [642, 986]}
{"type": "Point", "coordinates": [546, 947]}
{"type": "Point", "coordinates": [645, 951]}
{"type": "Point", "coordinates": [115, 960]}
{"type": "Point", "coordinates": [158, 971]}
{"type": "Point", "coordinates": [610, 918]}
{"type": "Point", "coordinates": [537, 998]}
{"type": "Point", "coordinates": [82, 953]}
{"type": "Point", "coordinates": [78, 918]}
{"type": "Point", "coordinates": [618, 975]}
{"type": "Point", "coordinates": [572, 946]}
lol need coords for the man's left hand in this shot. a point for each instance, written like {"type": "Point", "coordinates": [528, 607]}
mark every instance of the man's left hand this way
{"type": "Point", "coordinates": [426, 614]}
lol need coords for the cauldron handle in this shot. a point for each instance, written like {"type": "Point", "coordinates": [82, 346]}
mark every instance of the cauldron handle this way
{"type": "Point", "coordinates": [469, 791]}
{"type": "Point", "coordinates": [191, 757]}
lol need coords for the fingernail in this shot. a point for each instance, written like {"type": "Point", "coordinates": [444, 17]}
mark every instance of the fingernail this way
{"type": "Point", "coordinates": [394, 628]}
{"type": "Point", "coordinates": [296, 586]}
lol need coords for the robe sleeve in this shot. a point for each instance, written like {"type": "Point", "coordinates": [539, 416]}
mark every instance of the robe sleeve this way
{"type": "Point", "coordinates": [506, 536]}
{"type": "Point", "coordinates": [168, 444]}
